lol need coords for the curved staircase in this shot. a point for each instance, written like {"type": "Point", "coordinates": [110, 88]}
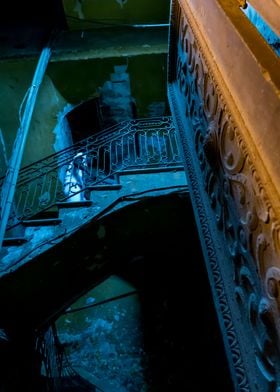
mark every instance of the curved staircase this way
{"type": "Point", "coordinates": [126, 163]}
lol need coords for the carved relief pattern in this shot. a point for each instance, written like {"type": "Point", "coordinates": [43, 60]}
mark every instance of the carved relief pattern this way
{"type": "Point", "coordinates": [212, 257]}
{"type": "Point", "coordinates": [242, 210]}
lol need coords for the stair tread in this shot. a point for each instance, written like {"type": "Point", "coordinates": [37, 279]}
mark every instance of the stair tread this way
{"type": "Point", "coordinates": [74, 204]}
{"type": "Point", "coordinates": [46, 215]}
{"type": "Point", "coordinates": [102, 187]}
{"type": "Point", "coordinates": [14, 241]}
{"type": "Point", "coordinates": [41, 222]}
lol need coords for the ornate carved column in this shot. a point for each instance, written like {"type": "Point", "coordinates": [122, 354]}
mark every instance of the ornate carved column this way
{"type": "Point", "coordinates": [224, 93]}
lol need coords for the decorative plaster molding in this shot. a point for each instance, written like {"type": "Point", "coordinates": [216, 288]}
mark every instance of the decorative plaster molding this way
{"type": "Point", "coordinates": [205, 231]}
{"type": "Point", "coordinates": [216, 151]}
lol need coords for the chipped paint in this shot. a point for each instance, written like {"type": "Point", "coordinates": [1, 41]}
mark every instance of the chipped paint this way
{"type": "Point", "coordinates": [121, 2]}
{"type": "Point", "coordinates": [62, 132]}
{"type": "Point", "coordinates": [116, 97]}
{"type": "Point", "coordinates": [78, 8]}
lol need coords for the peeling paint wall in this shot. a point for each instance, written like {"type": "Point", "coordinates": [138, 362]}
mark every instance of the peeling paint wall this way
{"type": "Point", "coordinates": [80, 80]}
{"type": "Point", "coordinates": [15, 79]}
{"type": "Point", "coordinates": [115, 95]}
{"type": "Point", "coordinates": [41, 140]}
{"type": "Point", "coordinates": [62, 131]}
{"type": "Point", "coordinates": [121, 2]}
{"type": "Point", "coordinates": [148, 82]}
{"type": "Point", "coordinates": [76, 81]}
{"type": "Point", "coordinates": [71, 83]}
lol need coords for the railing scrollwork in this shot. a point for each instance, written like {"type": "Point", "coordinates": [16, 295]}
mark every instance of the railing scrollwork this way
{"type": "Point", "coordinates": [234, 197]}
{"type": "Point", "coordinates": [139, 143]}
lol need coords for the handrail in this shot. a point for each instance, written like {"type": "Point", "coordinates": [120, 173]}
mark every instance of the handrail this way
{"type": "Point", "coordinates": [146, 143]}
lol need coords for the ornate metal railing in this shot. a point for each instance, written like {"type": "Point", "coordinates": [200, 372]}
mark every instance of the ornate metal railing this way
{"type": "Point", "coordinates": [56, 371]}
{"type": "Point", "coordinates": [51, 354]}
{"type": "Point", "coordinates": [142, 143]}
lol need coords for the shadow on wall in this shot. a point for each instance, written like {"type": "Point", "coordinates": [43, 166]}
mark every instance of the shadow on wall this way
{"type": "Point", "coordinates": [85, 119]}
{"type": "Point", "coordinates": [112, 105]}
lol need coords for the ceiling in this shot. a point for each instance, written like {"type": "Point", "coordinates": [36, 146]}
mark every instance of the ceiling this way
{"type": "Point", "coordinates": [27, 25]}
{"type": "Point", "coordinates": [30, 22]}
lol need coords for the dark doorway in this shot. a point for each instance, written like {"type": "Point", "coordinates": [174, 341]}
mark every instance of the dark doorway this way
{"type": "Point", "coordinates": [85, 119]}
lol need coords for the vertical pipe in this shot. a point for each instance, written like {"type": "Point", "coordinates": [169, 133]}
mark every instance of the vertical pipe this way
{"type": "Point", "coordinates": [9, 185]}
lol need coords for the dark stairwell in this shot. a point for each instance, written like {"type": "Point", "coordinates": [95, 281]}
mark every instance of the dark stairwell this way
{"type": "Point", "coordinates": [154, 246]}
{"type": "Point", "coordinates": [139, 227]}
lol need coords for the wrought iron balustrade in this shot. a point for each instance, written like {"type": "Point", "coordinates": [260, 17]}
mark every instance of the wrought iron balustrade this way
{"type": "Point", "coordinates": [142, 143]}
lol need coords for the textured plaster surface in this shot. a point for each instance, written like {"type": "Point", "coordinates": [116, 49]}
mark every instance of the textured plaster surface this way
{"type": "Point", "coordinates": [254, 96]}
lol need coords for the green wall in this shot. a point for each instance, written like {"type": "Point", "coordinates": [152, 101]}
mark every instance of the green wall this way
{"type": "Point", "coordinates": [41, 137]}
{"type": "Point", "coordinates": [74, 82]}
{"type": "Point", "coordinates": [69, 82]}
{"type": "Point", "coordinates": [15, 79]}
{"type": "Point", "coordinates": [112, 12]}
{"type": "Point", "coordinates": [80, 80]}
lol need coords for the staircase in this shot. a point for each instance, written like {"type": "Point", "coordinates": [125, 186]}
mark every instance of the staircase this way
{"type": "Point", "coordinates": [119, 166]}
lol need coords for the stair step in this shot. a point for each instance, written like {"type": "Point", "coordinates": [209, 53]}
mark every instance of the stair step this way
{"type": "Point", "coordinates": [147, 170]}
{"type": "Point", "coordinates": [74, 204]}
{"type": "Point", "coordinates": [14, 241]}
{"type": "Point", "coordinates": [49, 214]}
{"type": "Point", "coordinates": [42, 222]}
{"type": "Point", "coordinates": [105, 187]}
